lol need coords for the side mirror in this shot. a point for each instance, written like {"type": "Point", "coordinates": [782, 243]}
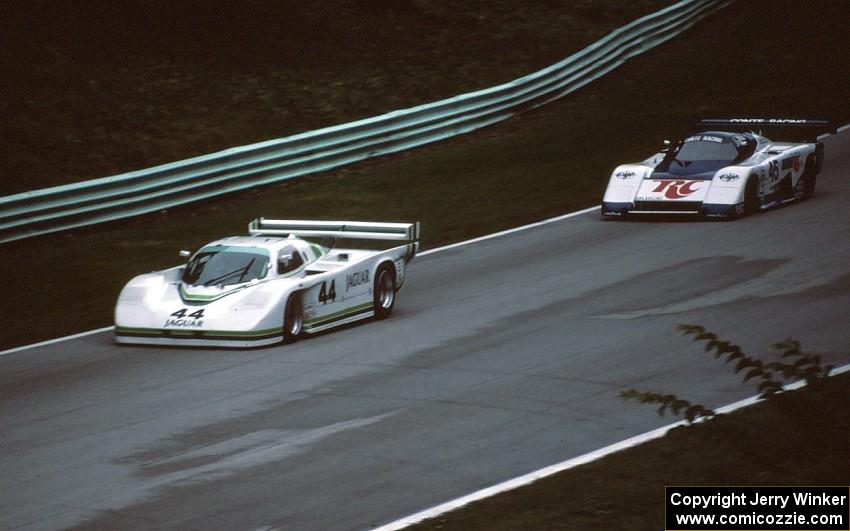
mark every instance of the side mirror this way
{"type": "Point", "coordinates": [284, 260]}
{"type": "Point", "coordinates": [185, 254]}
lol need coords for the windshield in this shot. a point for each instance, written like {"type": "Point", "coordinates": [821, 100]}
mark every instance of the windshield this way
{"type": "Point", "coordinates": [224, 266]}
{"type": "Point", "coordinates": [707, 147]}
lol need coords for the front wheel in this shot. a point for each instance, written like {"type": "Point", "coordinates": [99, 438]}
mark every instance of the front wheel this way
{"type": "Point", "coordinates": [293, 318]}
{"type": "Point", "coordinates": [751, 197]}
{"type": "Point", "coordinates": [384, 292]}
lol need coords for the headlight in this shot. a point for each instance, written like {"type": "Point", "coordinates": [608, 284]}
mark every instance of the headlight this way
{"type": "Point", "coordinates": [255, 301]}
{"type": "Point", "coordinates": [132, 294]}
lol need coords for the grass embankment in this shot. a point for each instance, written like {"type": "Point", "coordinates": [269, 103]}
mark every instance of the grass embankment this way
{"type": "Point", "coordinates": [100, 87]}
{"type": "Point", "coordinates": [796, 438]}
{"type": "Point", "coordinates": [546, 162]}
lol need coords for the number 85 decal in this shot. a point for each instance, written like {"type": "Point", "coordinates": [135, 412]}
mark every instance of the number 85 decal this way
{"type": "Point", "coordinates": [773, 171]}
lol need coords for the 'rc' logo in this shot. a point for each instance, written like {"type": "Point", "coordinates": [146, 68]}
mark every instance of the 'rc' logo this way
{"type": "Point", "coordinates": [676, 189]}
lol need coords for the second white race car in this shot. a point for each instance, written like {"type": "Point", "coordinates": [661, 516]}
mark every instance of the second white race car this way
{"type": "Point", "coordinates": [725, 170]}
{"type": "Point", "coordinates": [270, 286]}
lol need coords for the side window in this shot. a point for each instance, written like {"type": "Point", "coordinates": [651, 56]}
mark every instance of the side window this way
{"type": "Point", "coordinates": [289, 260]}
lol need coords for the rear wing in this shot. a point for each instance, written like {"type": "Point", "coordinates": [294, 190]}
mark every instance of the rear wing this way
{"type": "Point", "coordinates": [801, 129]}
{"type": "Point", "coordinates": [363, 230]}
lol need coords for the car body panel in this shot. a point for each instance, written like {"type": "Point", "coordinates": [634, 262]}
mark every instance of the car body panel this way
{"type": "Point", "coordinates": [334, 286]}
{"type": "Point", "coordinates": [710, 185]}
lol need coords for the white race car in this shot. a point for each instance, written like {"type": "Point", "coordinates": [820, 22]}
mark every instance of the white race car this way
{"type": "Point", "coordinates": [726, 170]}
{"type": "Point", "coordinates": [271, 286]}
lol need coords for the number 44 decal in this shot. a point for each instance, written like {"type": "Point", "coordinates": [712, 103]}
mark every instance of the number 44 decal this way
{"type": "Point", "coordinates": [326, 295]}
{"type": "Point", "coordinates": [181, 313]}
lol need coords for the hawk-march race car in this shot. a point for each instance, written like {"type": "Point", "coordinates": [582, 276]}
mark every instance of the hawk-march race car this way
{"type": "Point", "coordinates": [268, 287]}
{"type": "Point", "coordinates": [726, 170]}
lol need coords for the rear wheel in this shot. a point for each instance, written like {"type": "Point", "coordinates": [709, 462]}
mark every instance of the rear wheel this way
{"type": "Point", "coordinates": [809, 178]}
{"type": "Point", "coordinates": [293, 318]}
{"type": "Point", "coordinates": [384, 291]}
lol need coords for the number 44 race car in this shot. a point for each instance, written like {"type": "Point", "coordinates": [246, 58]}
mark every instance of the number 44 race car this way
{"type": "Point", "coordinates": [726, 170]}
{"type": "Point", "coordinates": [271, 286]}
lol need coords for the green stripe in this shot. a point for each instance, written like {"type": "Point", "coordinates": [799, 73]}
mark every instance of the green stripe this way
{"type": "Point", "coordinates": [130, 330]}
{"type": "Point", "coordinates": [252, 333]}
{"type": "Point", "coordinates": [206, 298]}
{"type": "Point", "coordinates": [353, 309]}
{"type": "Point", "coordinates": [221, 333]}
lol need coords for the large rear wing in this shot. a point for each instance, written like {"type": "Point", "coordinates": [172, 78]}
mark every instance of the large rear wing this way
{"type": "Point", "coordinates": [805, 129]}
{"type": "Point", "coordinates": [363, 230]}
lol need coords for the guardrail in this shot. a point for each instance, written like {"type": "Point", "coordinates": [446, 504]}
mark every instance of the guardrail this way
{"type": "Point", "coordinates": [110, 198]}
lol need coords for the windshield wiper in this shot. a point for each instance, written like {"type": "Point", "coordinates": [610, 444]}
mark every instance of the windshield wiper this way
{"type": "Point", "coordinates": [247, 267]}
{"type": "Point", "coordinates": [243, 270]}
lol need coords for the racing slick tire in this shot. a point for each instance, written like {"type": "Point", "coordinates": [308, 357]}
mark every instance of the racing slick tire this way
{"type": "Point", "coordinates": [751, 197]}
{"type": "Point", "coordinates": [384, 291]}
{"type": "Point", "coordinates": [293, 318]}
{"type": "Point", "coordinates": [809, 178]}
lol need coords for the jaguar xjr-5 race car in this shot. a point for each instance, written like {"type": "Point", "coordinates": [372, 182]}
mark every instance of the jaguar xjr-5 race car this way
{"type": "Point", "coordinates": [724, 170]}
{"type": "Point", "coordinates": [270, 286]}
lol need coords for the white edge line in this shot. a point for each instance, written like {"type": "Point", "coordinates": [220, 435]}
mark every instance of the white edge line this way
{"type": "Point", "coordinates": [509, 231]}
{"type": "Point", "coordinates": [424, 253]}
{"type": "Point", "coordinates": [57, 340]}
{"type": "Point", "coordinates": [531, 477]}
{"type": "Point", "coordinates": [840, 129]}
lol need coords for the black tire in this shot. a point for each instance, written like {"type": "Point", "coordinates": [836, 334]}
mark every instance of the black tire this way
{"type": "Point", "coordinates": [809, 178]}
{"type": "Point", "coordinates": [293, 318]}
{"type": "Point", "coordinates": [384, 291]}
{"type": "Point", "coordinates": [751, 197]}
{"type": "Point", "coordinates": [622, 217]}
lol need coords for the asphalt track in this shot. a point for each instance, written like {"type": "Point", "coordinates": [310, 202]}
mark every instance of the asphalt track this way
{"type": "Point", "coordinates": [501, 357]}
